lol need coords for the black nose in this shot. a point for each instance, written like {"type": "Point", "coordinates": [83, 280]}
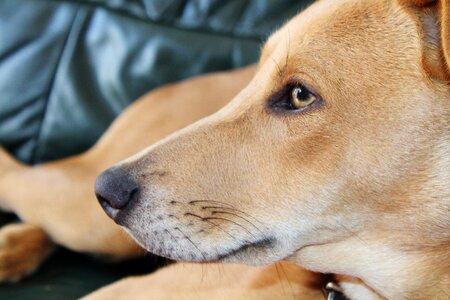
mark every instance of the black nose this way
{"type": "Point", "coordinates": [114, 189]}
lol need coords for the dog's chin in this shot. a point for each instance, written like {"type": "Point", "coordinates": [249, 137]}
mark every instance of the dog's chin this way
{"type": "Point", "coordinates": [258, 253]}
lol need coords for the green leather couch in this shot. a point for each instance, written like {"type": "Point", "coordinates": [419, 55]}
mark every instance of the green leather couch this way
{"type": "Point", "coordinates": [67, 69]}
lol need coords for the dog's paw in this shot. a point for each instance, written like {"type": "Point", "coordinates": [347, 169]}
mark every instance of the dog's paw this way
{"type": "Point", "coordinates": [23, 247]}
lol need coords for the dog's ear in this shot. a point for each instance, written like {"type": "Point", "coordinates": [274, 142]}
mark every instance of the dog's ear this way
{"type": "Point", "coordinates": [433, 17]}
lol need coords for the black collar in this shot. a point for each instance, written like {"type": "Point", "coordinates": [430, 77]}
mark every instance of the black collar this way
{"type": "Point", "coordinates": [332, 291]}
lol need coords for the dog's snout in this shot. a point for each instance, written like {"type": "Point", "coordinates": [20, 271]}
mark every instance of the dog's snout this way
{"type": "Point", "coordinates": [114, 189]}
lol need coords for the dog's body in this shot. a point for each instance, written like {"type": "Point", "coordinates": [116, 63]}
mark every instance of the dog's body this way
{"type": "Point", "coordinates": [335, 156]}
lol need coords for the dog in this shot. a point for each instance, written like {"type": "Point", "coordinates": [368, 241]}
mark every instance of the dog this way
{"type": "Point", "coordinates": [335, 157]}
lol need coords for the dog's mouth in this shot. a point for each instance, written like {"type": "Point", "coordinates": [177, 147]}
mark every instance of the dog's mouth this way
{"type": "Point", "coordinates": [246, 250]}
{"type": "Point", "coordinates": [251, 252]}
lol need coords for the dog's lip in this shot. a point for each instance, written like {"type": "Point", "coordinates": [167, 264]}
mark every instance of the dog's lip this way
{"type": "Point", "coordinates": [259, 244]}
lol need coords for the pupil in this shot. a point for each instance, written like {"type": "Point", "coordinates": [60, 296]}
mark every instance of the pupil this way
{"type": "Point", "coordinates": [302, 94]}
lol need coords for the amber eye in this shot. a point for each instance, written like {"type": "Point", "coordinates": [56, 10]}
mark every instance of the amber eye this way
{"type": "Point", "coordinates": [301, 97]}
{"type": "Point", "coordinates": [295, 98]}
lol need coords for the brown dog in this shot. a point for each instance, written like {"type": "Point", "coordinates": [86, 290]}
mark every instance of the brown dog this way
{"type": "Point", "coordinates": [335, 156]}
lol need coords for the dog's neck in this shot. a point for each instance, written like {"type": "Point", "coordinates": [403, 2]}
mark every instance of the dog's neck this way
{"type": "Point", "coordinates": [409, 247]}
{"type": "Point", "coordinates": [402, 253]}
{"type": "Point", "coordinates": [416, 275]}
{"type": "Point", "coordinates": [369, 272]}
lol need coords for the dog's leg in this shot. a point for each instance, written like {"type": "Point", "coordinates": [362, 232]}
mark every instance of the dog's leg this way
{"type": "Point", "coordinates": [59, 197]}
{"type": "Point", "coordinates": [23, 248]}
{"type": "Point", "coordinates": [215, 281]}
{"type": "Point", "coordinates": [7, 165]}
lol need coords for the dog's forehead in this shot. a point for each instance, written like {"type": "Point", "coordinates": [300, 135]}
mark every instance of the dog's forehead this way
{"type": "Point", "coordinates": [332, 36]}
{"type": "Point", "coordinates": [329, 22]}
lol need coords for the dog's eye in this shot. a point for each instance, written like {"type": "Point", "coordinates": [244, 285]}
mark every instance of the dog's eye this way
{"type": "Point", "coordinates": [301, 98]}
{"type": "Point", "coordinates": [295, 98]}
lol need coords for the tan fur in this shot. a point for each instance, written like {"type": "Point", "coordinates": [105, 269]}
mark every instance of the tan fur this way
{"type": "Point", "coordinates": [357, 186]}
{"type": "Point", "coordinates": [213, 281]}
{"type": "Point", "coordinates": [23, 247]}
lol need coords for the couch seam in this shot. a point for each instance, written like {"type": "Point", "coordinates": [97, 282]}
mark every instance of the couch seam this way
{"type": "Point", "coordinates": [48, 90]}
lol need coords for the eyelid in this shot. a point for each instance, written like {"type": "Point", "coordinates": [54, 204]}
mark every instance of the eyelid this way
{"type": "Point", "coordinates": [295, 81]}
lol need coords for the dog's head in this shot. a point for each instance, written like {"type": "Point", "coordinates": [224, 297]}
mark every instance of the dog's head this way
{"type": "Point", "coordinates": [340, 125]}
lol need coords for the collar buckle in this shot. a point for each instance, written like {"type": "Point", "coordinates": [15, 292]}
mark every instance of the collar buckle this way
{"type": "Point", "coordinates": [332, 291]}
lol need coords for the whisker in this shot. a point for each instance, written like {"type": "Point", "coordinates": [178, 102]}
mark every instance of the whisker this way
{"type": "Point", "coordinates": [241, 217]}
{"type": "Point", "coordinates": [212, 201]}
{"type": "Point", "coordinates": [230, 207]}
{"type": "Point", "coordinates": [231, 221]}
{"type": "Point", "coordinates": [280, 73]}
{"type": "Point", "coordinates": [222, 209]}
{"type": "Point", "coordinates": [236, 215]}
{"type": "Point", "coordinates": [237, 210]}
{"type": "Point", "coordinates": [220, 228]}
{"type": "Point", "coordinates": [279, 279]}
{"type": "Point", "coordinates": [287, 278]}
{"type": "Point", "coordinates": [193, 244]}
{"type": "Point", "coordinates": [193, 215]}
{"type": "Point", "coordinates": [210, 222]}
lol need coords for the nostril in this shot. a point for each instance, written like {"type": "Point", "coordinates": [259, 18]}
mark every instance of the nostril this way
{"type": "Point", "coordinates": [103, 202]}
{"type": "Point", "coordinates": [106, 205]}
{"type": "Point", "coordinates": [114, 189]}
